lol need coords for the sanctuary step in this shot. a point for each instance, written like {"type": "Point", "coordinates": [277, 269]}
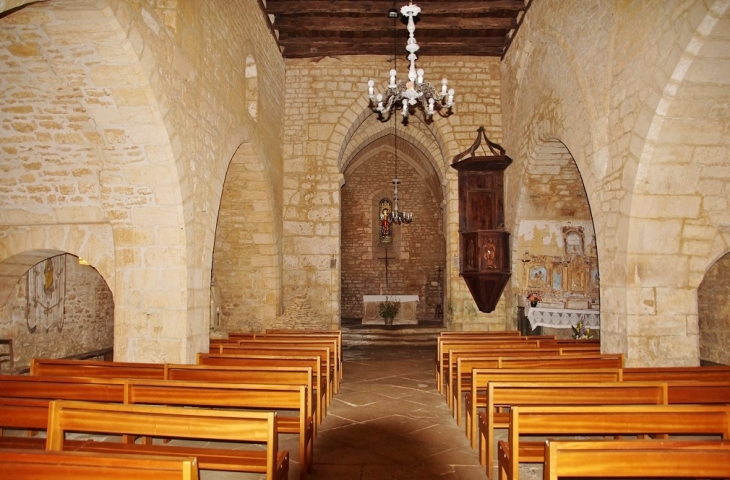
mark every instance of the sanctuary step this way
{"type": "Point", "coordinates": [355, 334]}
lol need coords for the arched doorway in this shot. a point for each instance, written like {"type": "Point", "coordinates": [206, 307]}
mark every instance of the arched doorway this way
{"type": "Point", "coordinates": [713, 306]}
{"type": "Point", "coordinates": [555, 252]}
{"type": "Point", "coordinates": [60, 306]}
{"type": "Point", "coordinates": [412, 260]}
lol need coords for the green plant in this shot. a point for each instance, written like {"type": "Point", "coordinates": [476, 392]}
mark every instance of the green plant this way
{"type": "Point", "coordinates": [388, 309]}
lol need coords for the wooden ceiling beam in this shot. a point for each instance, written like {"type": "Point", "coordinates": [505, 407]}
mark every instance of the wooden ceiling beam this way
{"type": "Point", "coordinates": [368, 25]}
{"type": "Point", "coordinates": [323, 49]}
{"type": "Point", "coordinates": [367, 7]}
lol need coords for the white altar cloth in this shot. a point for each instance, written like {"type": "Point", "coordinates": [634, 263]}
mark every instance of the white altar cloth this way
{"type": "Point", "coordinates": [406, 314]}
{"type": "Point", "coordinates": [562, 317]}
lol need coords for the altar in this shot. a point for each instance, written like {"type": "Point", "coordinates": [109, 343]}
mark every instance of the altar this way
{"type": "Point", "coordinates": [406, 314]}
{"type": "Point", "coordinates": [562, 317]}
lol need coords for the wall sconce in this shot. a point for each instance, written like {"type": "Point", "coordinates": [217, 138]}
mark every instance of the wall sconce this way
{"type": "Point", "coordinates": [526, 257]}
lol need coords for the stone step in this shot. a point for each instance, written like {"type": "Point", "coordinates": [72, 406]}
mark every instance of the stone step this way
{"type": "Point", "coordinates": [395, 335]}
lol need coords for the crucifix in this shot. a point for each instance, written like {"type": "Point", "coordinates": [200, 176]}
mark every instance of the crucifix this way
{"type": "Point", "coordinates": [386, 258]}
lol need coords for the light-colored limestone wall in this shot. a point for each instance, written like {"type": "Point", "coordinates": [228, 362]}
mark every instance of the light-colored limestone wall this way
{"type": "Point", "coordinates": [618, 85]}
{"type": "Point", "coordinates": [713, 299]}
{"type": "Point", "coordinates": [326, 102]}
{"type": "Point", "coordinates": [126, 114]}
{"type": "Point", "coordinates": [87, 322]}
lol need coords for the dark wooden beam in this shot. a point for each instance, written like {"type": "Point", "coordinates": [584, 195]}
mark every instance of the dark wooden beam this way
{"type": "Point", "coordinates": [364, 25]}
{"type": "Point", "coordinates": [367, 7]}
{"type": "Point", "coordinates": [334, 49]}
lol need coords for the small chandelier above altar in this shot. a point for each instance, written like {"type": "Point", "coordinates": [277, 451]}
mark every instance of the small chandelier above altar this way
{"type": "Point", "coordinates": [415, 92]}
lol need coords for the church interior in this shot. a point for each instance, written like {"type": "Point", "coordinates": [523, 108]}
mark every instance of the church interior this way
{"type": "Point", "coordinates": [176, 170]}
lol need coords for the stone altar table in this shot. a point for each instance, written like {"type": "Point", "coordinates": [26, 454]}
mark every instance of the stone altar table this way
{"type": "Point", "coordinates": [406, 314]}
{"type": "Point", "coordinates": [562, 317]}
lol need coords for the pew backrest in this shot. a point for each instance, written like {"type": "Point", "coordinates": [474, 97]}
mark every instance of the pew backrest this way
{"type": "Point", "coordinates": [20, 464]}
{"type": "Point", "coordinates": [636, 459]}
{"type": "Point", "coordinates": [96, 369]}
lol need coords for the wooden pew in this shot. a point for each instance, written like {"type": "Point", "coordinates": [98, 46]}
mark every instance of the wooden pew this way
{"type": "Point", "coordinates": [42, 464]}
{"type": "Point", "coordinates": [279, 398]}
{"type": "Point", "coordinates": [570, 421]}
{"type": "Point", "coordinates": [36, 393]}
{"type": "Point", "coordinates": [319, 377]}
{"type": "Point", "coordinates": [482, 376]}
{"type": "Point", "coordinates": [545, 394]}
{"type": "Point", "coordinates": [293, 334]}
{"type": "Point", "coordinates": [96, 369]}
{"type": "Point", "coordinates": [332, 342]}
{"type": "Point", "coordinates": [709, 373]}
{"type": "Point", "coordinates": [698, 392]}
{"type": "Point", "coordinates": [324, 387]}
{"type": "Point", "coordinates": [443, 348]}
{"type": "Point", "coordinates": [636, 459]}
{"type": "Point", "coordinates": [452, 380]}
{"type": "Point", "coordinates": [257, 375]}
{"type": "Point", "coordinates": [322, 383]}
{"type": "Point", "coordinates": [175, 422]}
{"type": "Point", "coordinates": [574, 362]}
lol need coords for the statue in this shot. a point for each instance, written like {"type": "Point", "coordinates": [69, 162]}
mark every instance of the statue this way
{"type": "Point", "coordinates": [489, 251]}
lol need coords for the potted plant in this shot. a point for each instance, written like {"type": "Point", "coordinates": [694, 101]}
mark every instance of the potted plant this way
{"type": "Point", "coordinates": [388, 310]}
{"type": "Point", "coordinates": [533, 298]}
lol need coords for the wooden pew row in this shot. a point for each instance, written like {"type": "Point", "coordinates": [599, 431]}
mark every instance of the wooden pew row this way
{"type": "Point", "coordinates": [96, 369]}
{"type": "Point", "coordinates": [536, 362]}
{"type": "Point", "coordinates": [561, 394]}
{"type": "Point", "coordinates": [636, 459]}
{"type": "Point", "coordinates": [324, 385]}
{"type": "Point", "coordinates": [336, 334]}
{"type": "Point", "coordinates": [294, 414]}
{"type": "Point", "coordinates": [152, 371]}
{"type": "Point", "coordinates": [291, 402]}
{"type": "Point", "coordinates": [483, 353]}
{"type": "Point", "coordinates": [571, 421]}
{"type": "Point", "coordinates": [321, 381]}
{"type": "Point", "coordinates": [175, 423]}
{"type": "Point", "coordinates": [443, 348]}
{"type": "Point", "coordinates": [460, 364]}
{"type": "Point", "coordinates": [291, 343]}
{"type": "Point", "coordinates": [455, 351]}
{"type": "Point", "coordinates": [43, 464]}
{"type": "Point", "coordinates": [482, 377]}
{"type": "Point", "coordinates": [714, 373]}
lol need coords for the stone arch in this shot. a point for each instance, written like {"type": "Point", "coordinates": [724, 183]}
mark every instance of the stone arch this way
{"type": "Point", "coordinates": [679, 208]}
{"type": "Point", "coordinates": [246, 258]}
{"type": "Point", "coordinates": [116, 148]}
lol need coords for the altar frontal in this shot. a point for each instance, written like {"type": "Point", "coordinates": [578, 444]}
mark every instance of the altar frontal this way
{"type": "Point", "coordinates": [406, 314]}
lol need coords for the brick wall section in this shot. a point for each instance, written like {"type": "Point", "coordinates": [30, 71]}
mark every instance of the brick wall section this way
{"type": "Point", "coordinates": [88, 322]}
{"type": "Point", "coordinates": [713, 298]}
{"type": "Point", "coordinates": [419, 247]}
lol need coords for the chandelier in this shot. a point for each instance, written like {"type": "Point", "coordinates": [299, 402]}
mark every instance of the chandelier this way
{"type": "Point", "coordinates": [396, 216]}
{"type": "Point", "coordinates": [405, 95]}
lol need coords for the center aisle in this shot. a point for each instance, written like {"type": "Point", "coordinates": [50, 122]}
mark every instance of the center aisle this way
{"type": "Point", "coordinates": [388, 421]}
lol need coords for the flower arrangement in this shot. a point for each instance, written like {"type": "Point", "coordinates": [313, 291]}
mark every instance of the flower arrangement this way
{"type": "Point", "coordinates": [533, 298]}
{"type": "Point", "coordinates": [581, 332]}
{"type": "Point", "coordinates": [388, 310]}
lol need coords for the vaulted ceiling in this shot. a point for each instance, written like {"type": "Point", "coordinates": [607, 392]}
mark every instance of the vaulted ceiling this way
{"type": "Point", "coordinates": [319, 28]}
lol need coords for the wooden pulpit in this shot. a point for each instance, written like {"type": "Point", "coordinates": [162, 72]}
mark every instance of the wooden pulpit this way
{"type": "Point", "coordinates": [484, 250]}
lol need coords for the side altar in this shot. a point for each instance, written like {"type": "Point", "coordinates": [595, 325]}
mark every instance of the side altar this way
{"type": "Point", "coordinates": [406, 314]}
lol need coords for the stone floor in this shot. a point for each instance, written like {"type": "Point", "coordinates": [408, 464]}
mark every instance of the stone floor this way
{"type": "Point", "coordinates": [388, 422]}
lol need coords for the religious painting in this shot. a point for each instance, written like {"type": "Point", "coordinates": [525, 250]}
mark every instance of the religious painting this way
{"type": "Point", "coordinates": [385, 207]}
{"type": "Point", "coordinates": [537, 276]}
{"type": "Point", "coordinates": [558, 278]}
{"type": "Point", "coordinates": [573, 240]}
{"type": "Point", "coordinates": [577, 273]}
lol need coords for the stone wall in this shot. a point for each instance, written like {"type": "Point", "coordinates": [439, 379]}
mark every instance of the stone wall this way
{"type": "Point", "coordinates": [87, 323]}
{"type": "Point", "coordinates": [327, 120]}
{"type": "Point", "coordinates": [417, 251]}
{"type": "Point", "coordinates": [631, 91]}
{"type": "Point", "coordinates": [713, 299]}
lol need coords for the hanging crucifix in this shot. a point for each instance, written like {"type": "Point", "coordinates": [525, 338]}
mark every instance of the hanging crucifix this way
{"type": "Point", "coordinates": [386, 258]}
